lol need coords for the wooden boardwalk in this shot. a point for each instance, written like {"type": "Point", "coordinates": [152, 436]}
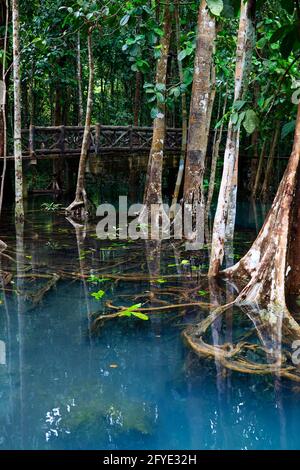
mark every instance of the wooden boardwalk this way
{"type": "Point", "coordinates": [65, 141]}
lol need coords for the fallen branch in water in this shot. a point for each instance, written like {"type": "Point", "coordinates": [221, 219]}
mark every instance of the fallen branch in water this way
{"type": "Point", "coordinates": [6, 278]}
{"type": "Point", "coordinates": [37, 297]}
{"type": "Point", "coordinates": [148, 310]}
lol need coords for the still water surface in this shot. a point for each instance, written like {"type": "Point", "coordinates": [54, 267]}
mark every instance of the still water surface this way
{"type": "Point", "coordinates": [130, 384]}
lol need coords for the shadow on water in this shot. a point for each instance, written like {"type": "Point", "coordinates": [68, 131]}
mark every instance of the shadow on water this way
{"type": "Point", "coordinates": [67, 382]}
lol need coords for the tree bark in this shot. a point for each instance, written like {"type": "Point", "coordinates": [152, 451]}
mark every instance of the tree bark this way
{"type": "Point", "coordinates": [199, 122]}
{"type": "Point", "coordinates": [3, 124]}
{"type": "Point", "coordinates": [137, 98]}
{"type": "Point", "coordinates": [270, 268]}
{"type": "Point", "coordinates": [153, 188]}
{"type": "Point", "coordinates": [4, 12]}
{"type": "Point", "coordinates": [226, 209]}
{"type": "Point", "coordinates": [259, 169]}
{"type": "Point", "coordinates": [265, 190]}
{"type": "Point", "coordinates": [79, 82]}
{"type": "Point", "coordinates": [19, 206]}
{"type": "Point", "coordinates": [183, 112]}
{"type": "Point", "coordinates": [214, 160]}
{"type": "Point", "coordinates": [254, 141]}
{"type": "Point", "coordinates": [80, 195]}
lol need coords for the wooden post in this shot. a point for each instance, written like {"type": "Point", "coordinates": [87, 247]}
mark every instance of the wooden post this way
{"type": "Point", "coordinates": [33, 160]}
{"type": "Point", "coordinates": [97, 139]}
{"type": "Point", "coordinates": [130, 137]}
{"type": "Point", "coordinates": [62, 140]}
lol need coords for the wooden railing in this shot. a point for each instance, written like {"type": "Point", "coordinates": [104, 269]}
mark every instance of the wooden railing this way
{"type": "Point", "coordinates": [66, 141]}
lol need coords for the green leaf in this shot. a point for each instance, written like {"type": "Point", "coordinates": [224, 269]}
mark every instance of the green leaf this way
{"type": "Point", "coordinates": [250, 122]}
{"type": "Point", "coordinates": [155, 112]}
{"type": "Point", "coordinates": [215, 6]}
{"type": "Point", "coordinates": [159, 31]}
{"type": "Point", "coordinates": [140, 315]}
{"type": "Point", "coordinates": [203, 293]}
{"type": "Point", "coordinates": [234, 118]}
{"type": "Point", "coordinates": [182, 54]}
{"type": "Point", "coordinates": [133, 307]}
{"type": "Point", "coordinates": [95, 279]}
{"type": "Point", "coordinates": [239, 104]}
{"type": "Point", "coordinates": [176, 91]}
{"type": "Point", "coordinates": [98, 295]}
{"type": "Point", "coordinates": [185, 262]}
{"type": "Point", "coordinates": [160, 87]}
{"type": "Point", "coordinates": [160, 97]}
{"type": "Point", "coordinates": [287, 129]}
{"type": "Point", "coordinates": [132, 311]}
{"type": "Point", "coordinates": [125, 20]}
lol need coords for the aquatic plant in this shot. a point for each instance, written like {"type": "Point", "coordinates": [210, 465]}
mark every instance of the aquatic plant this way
{"type": "Point", "coordinates": [133, 311]}
{"type": "Point", "coordinates": [51, 207]}
{"type": "Point", "coordinates": [98, 295]}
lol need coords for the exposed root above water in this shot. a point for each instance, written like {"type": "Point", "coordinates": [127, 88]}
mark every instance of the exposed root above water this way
{"type": "Point", "coordinates": [267, 353]}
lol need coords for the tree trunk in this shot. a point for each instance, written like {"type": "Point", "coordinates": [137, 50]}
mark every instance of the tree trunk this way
{"type": "Point", "coordinates": [199, 111]}
{"type": "Point", "coordinates": [265, 190]}
{"type": "Point", "coordinates": [19, 207]}
{"type": "Point", "coordinates": [183, 112]}
{"type": "Point", "coordinates": [58, 106]}
{"type": "Point", "coordinates": [3, 94]}
{"type": "Point", "coordinates": [214, 160]}
{"type": "Point", "coordinates": [259, 169]}
{"type": "Point", "coordinates": [80, 201]}
{"type": "Point", "coordinates": [137, 98]}
{"type": "Point", "coordinates": [268, 272]}
{"type": "Point", "coordinates": [226, 208]}
{"type": "Point", "coordinates": [271, 264]}
{"type": "Point", "coordinates": [153, 188]}
{"type": "Point", "coordinates": [4, 12]}
{"type": "Point", "coordinates": [254, 141]}
{"type": "Point", "coordinates": [79, 82]}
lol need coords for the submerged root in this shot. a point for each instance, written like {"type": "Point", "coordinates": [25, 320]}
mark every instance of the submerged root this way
{"type": "Point", "coordinates": [37, 297]}
{"type": "Point", "coordinates": [3, 246]}
{"type": "Point", "coordinates": [272, 331]}
{"type": "Point", "coordinates": [6, 278]}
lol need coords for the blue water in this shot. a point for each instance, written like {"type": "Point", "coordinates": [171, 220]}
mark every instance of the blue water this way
{"type": "Point", "coordinates": [130, 384]}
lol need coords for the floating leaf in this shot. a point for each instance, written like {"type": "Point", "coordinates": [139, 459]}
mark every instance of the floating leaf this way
{"type": "Point", "coordinates": [140, 315]}
{"type": "Point", "coordinates": [98, 295]}
{"type": "Point", "coordinates": [132, 311]}
{"type": "Point", "coordinates": [95, 279]}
